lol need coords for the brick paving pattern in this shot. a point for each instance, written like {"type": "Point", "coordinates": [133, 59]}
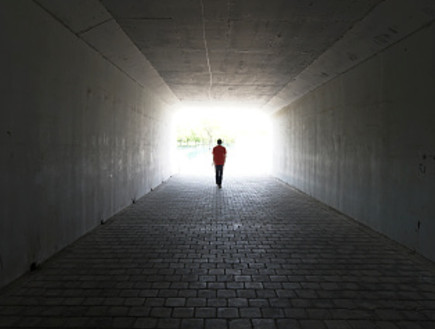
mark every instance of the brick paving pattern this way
{"type": "Point", "coordinates": [256, 254]}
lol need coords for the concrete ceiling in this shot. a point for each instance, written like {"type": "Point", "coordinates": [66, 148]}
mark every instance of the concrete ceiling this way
{"type": "Point", "coordinates": [264, 54]}
{"type": "Point", "coordinates": [234, 50]}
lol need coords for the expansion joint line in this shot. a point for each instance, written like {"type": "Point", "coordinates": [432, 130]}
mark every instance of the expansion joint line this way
{"type": "Point", "coordinates": [206, 50]}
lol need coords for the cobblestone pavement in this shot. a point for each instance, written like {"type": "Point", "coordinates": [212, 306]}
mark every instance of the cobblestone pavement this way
{"type": "Point", "coordinates": [255, 254]}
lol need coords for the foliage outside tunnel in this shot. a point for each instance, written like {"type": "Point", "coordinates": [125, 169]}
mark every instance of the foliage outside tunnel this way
{"type": "Point", "coordinates": [204, 132]}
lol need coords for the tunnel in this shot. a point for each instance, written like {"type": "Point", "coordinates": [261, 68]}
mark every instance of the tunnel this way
{"type": "Point", "coordinates": [89, 94]}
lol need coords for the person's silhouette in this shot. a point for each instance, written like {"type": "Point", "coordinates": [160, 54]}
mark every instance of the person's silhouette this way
{"type": "Point", "coordinates": [219, 156]}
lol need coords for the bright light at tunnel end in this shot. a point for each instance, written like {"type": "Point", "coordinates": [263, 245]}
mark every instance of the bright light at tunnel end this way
{"type": "Point", "coordinates": [246, 132]}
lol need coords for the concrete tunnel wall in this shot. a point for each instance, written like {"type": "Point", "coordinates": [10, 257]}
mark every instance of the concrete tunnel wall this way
{"type": "Point", "coordinates": [80, 139]}
{"type": "Point", "coordinates": [364, 143]}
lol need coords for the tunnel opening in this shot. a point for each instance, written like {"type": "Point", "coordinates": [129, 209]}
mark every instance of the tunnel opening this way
{"type": "Point", "coordinates": [246, 133]}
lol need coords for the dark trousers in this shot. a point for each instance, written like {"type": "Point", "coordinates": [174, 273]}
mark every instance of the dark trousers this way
{"type": "Point", "coordinates": [219, 174]}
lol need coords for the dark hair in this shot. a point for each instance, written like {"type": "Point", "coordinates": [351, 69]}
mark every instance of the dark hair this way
{"type": "Point", "coordinates": [219, 141]}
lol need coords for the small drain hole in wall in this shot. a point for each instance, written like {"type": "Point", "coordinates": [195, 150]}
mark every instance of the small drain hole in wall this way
{"type": "Point", "coordinates": [33, 267]}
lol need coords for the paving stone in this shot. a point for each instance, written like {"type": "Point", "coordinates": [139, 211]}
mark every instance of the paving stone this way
{"type": "Point", "coordinates": [161, 312]}
{"type": "Point", "coordinates": [207, 293]}
{"type": "Point", "coordinates": [337, 324]}
{"type": "Point", "coordinates": [258, 302]}
{"type": "Point", "coordinates": [183, 312]}
{"type": "Point", "coordinates": [196, 302]}
{"type": "Point", "coordinates": [250, 312]}
{"type": "Point", "coordinates": [254, 254]}
{"type": "Point", "coordinates": [100, 322]}
{"type": "Point", "coordinates": [312, 324]}
{"type": "Point", "coordinates": [145, 323]}
{"type": "Point", "coordinates": [227, 312]}
{"type": "Point", "coordinates": [174, 302]}
{"type": "Point", "coordinates": [246, 293]}
{"type": "Point", "coordinates": [205, 312]}
{"type": "Point", "coordinates": [385, 325]}
{"type": "Point", "coordinates": [226, 293]}
{"type": "Point", "coordinates": [8, 321]}
{"type": "Point", "coordinates": [168, 323]}
{"type": "Point", "coordinates": [192, 324]}
{"type": "Point", "coordinates": [362, 324]}
{"type": "Point", "coordinates": [216, 323]}
{"type": "Point", "coordinates": [134, 301]}
{"type": "Point", "coordinates": [280, 302]}
{"type": "Point", "coordinates": [117, 311]}
{"type": "Point", "coordinates": [123, 322]}
{"type": "Point", "coordinates": [139, 311]}
{"type": "Point", "coordinates": [270, 312]}
{"type": "Point", "coordinates": [238, 302]}
{"type": "Point", "coordinates": [217, 302]}
{"type": "Point", "coordinates": [264, 324]}
{"type": "Point", "coordinates": [30, 322]}
{"type": "Point", "coordinates": [240, 324]}
{"type": "Point", "coordinates": [409, 325]}
{"type": "Point", "coordinates": [97, 311]}
{"type": "Point", "coordinates": [287, 324]}
{"type": "Point", "coordinates": [114, 301]}
{"type": "Point", "coordinates": [154, 302]}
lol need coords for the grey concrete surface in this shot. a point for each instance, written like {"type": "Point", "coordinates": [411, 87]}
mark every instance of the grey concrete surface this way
{"type": "Point", "coordinates": [91, 22]}
{"type": "Point", "coordinates": [80, 138]}
{"type": "Point", "coordinates": [233, 51]}
{"type": "Point", "coordinates": [365, 142]}
{"type": "Point", "coordinates": [387, 23]}
{"type": "Point", "coordinates": [262, 53]}
{"type": "Point", "coordinates": [255, 254]}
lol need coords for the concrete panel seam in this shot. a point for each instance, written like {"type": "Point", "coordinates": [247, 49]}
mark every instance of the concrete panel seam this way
{"type": "Point", "coordinates": [92, 27]}
{"type": "Point", "coordinates": [204, 37]}
{"type": "Point", "coordinates": [332, 45]}
{"type": "Point", "coordinates": [268, 105]}
{"type": "Point", "coordinates": [79, 36]}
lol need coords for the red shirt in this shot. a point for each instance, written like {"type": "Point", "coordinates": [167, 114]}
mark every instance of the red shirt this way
{"type": "Point", "coordinates": [219, 154]}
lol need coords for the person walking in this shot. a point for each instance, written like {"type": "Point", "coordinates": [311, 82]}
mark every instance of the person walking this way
{"type": "Point", "coordinates": [219, 156]}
